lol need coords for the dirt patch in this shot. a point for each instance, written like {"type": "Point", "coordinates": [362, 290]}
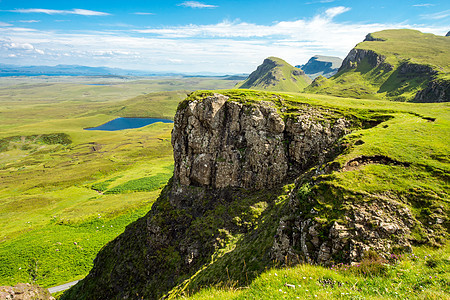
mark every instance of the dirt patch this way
{"type": "Point", "coordinates": [358, 162]}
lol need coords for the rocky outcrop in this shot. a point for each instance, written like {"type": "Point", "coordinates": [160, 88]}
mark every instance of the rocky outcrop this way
{"type": "Point", "coordinates": [24, 291]}
{"type": "Point", "coordinates": [448, 34]}
{"type": "Point", "coordinates": [411, 70]}
{"type": "Point", "coordinates": [436, 91]}
{"type": "Point", "coordinates": [371, 38]}
{"type": "Point", "coordinates": [356, 56]}
{"type": "Point", "coordinates": [221, 143]}
{"type": "Point", "coordinates": [375, 224]}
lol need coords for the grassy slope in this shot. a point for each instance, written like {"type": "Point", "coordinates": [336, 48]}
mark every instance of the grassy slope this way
{"type": "Point", "coordinates": [408, 137]}
{"type": "Point", "coordinates": [278, 78]}
{"type": "Point", "coordinates": [48, 198]}
{"type": "Point", "coordinates": [404, 44]}
{"type": "Point", "coordinates": [397, 46]}
{"type": "Point", "coordinates": [421, 275]}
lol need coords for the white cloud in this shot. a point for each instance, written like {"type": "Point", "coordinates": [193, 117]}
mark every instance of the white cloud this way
{"type": "Point", "coordinates": [29, 21]}
{"type": "Point", "coordinates": [196, 4]}
{"type": "Point", "coordinates": [437, 16]}
{"type": "Point", "coordinates": [3, 24]}
{"type": "Point", "coordinates": [423, 5]}
{"type": "Point", "coordinates": [320, 1]}
{"type": "Point", "coordinates": [25, 46]}
{"type": "Point", "coordinates": [76, 11]}
{"type": "Point", "coordinates": [225, 47]}
{"type": "Point", "coordinates": [334, 11]}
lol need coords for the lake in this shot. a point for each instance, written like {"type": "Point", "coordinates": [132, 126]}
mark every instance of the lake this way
{"type": "Point", "coordinates": [127, 123]}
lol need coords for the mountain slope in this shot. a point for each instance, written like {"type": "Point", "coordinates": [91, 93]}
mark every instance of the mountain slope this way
{"type": "Point", "coordinates": [321, 65]}
{"type": "Point", "coordinates": [275, 74]}
{"type": "Point", "coordinates": [264, 179]}
{"type": "Point", "coordinates": [401, 65]}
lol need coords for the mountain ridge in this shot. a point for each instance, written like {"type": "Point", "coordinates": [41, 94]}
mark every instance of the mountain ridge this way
{"type": "Point", "coordinates": [400, 64]}
{"type": "Point", "coordinates": [275, 74]}
{"type": "Point", "coordinates": [321, 65]}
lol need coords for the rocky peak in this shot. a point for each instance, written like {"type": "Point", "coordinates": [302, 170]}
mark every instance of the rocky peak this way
{"type": "Point", "coordinates": [222, 143]}
{"type": "Point", "coordinates": [448, 34]}
{"type": "Point", "coordinates": [371, 38]}
{"type": "Point", "coordinates": [356, 56]}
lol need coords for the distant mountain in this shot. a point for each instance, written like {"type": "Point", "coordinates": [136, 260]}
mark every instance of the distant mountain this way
{"type": "Point", "coordinates": [321, 65]}
{"type": "Point", "coordinates": [400, 65]}
{"type": "Point", "coordinates": [71, 70]}
{"type": "Point", "coordinates": [275, 74]}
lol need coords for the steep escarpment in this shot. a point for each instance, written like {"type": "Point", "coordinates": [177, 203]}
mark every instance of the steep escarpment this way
{"type": "Point", "coordinates": [321, 65]}
{"type": "Point", "coordinates": [401, 65]}
{"type": "Point", "coordinates": [221, 143]}
{"type": "Point", "coordinates": [275, 74]}
{"type": "Point", "coordinates": [255, 186]}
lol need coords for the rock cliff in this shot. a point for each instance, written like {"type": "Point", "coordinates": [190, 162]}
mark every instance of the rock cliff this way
{"type": "Point", "coordinates": [247, 194]}
{"type": "Point", "coordinates": [356, 56]}
{"type": "Point", "coordinates": [221, 143]}
{"type": "Point", "coordinates": [320, 65]}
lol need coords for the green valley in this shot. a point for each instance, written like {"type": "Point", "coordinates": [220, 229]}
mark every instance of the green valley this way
{"type": "Point", "coordinates": [65, 191]}
{"type": "Point", "coordinates": [268, 188]}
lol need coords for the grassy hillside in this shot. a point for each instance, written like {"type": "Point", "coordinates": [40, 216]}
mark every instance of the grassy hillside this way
{"type": "Point", "coordinates": [393, 65]}
{"type": "Point", "coordinates": [65, 192]}
{"type": "Point", "coordinates": [276, 75]}
{"type": "Point", "coordinates": [423, 274]}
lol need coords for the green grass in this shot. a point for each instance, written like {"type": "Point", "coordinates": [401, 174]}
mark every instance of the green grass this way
{"type": "Point", "coordinates": [396, 47]}
{"type": "Point", "coordinates": [52, 195]}
{"type": "Point", "coordinates": [404, 44]}
{"type": "Point", "coordinates": [424, 274]}
{"type": "Point", "coordinates": [58, 182]}
{"type": "Point", "coordinates": [60, 252]}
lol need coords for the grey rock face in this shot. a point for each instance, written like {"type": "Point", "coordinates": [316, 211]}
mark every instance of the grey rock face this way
{"type": "Point", "coordinates": [435, 91]}
{"type": "Point", "coordinates": [378, 225]}
{"type": "Point", "coordinates": [356, 56]}
{"type": "Point", "coordinates": [222, 143]}
{"type": "Point", "coordinates": [24, 291]}
{"type": "Point", "coordinates": [318, 65]}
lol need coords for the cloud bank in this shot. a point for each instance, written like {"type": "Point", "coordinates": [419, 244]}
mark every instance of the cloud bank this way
{"type": "Point", "coordinates": [75, 11]}
{"type": "Point", "coordinates": [225, 47]}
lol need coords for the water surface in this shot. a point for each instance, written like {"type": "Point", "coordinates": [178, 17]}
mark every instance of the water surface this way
{"type": "Point", "coordinates": [127, 123]}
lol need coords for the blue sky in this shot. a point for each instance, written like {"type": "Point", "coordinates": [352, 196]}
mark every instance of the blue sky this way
{"type": "Point", "coordinates": [220, 36]}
